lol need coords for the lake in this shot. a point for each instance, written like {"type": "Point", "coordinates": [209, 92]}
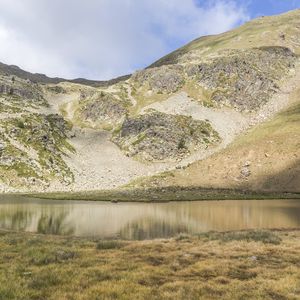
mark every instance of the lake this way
{"type": "Point", "coordinates": [137, 221]}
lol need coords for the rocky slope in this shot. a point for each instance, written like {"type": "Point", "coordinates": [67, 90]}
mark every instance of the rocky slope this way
{"type": "Point", "coordinates": [158, 136]}
{"type": "Point", "coordinates": [190, 113]}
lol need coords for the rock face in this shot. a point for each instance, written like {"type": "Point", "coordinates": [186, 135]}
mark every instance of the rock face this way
{"type": "Point", "coordinates": [159, 136]}
{"type": "Point", "coordinates": [2, 146]}
{"type": "Point", "coordinates": [105, 108]}
{"type": "Point", "coordinates": [9, 85]}
{"type": "Point", "coordinates": [167, 79]}
{"type": "Point", "coordinates": [33, 146]}
{"type": "Point", "coordinates": [244, 79]}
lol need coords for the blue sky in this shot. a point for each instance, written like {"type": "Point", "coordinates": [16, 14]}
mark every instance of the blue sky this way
{"type": "Point", "coordinates": [270, 7]}
{"type": "Point", "coordinates": [101, 39]}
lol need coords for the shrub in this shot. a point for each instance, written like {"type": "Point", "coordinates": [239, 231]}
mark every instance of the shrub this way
{"type": "Point", "coordinates": [181, 144]}
{"type": "Point", "coordinates": [20, 124]}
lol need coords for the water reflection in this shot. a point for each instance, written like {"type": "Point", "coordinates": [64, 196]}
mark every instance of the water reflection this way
{"type": "Point", "coordinates": [15, 220]}
{"type": "Point", "coordinates": [149, 228]}
{"type": "Point", "coordinates": [54, 225]}
{"type": "Point", "coordinates": [144, 221]}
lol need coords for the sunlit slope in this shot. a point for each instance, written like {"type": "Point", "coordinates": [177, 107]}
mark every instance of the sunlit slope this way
{"type": "Point", "coordinates": [265, 159]}
{"type": "Point", "coordinates": [282, 30]}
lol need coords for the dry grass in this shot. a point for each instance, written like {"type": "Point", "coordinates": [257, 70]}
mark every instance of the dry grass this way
{"type": "Point", "coordinates": [235, 265]}
{"type": "Point", "coordinates": [198, 93]}
{"type": "Point", "coordinates": [143, 99]}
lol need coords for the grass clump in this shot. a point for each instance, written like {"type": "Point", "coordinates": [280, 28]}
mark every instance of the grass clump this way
{"type": "Point", "coordinates": [45, 279]}
{"type": "Point", "coordinates": [256, 236]}
{"type": "Point", "coordinates": [241, 273]}
{"type": "Point", "coordinates": [44, 256]}
{"type": "Point", "coordinates": [182, 236]}
{"type": "Point", "coordinates": [20, 124]}
{"type": "Point", "coordinates": [110, 244]}
{"type": "Point", "coordinates": [264, 236]}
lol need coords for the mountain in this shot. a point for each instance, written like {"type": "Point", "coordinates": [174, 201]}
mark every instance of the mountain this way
{"type": "Point", "coordinates": [222, 112]}
{"type": "Point", "coordinates": [43, 79]}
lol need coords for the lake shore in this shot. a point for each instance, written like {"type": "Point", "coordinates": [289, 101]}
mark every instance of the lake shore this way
{"type": "Point", "coordinates": [230, 265]}
{"type": "Point", "coordinates": [164, 195]}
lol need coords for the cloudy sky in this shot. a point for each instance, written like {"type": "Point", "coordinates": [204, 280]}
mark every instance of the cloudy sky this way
{"type": "Point", "coordinates": [101, 39]}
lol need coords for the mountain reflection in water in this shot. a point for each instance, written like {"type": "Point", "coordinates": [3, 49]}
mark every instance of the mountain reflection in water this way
{"type": "Point", "coordinates": [144, 220]}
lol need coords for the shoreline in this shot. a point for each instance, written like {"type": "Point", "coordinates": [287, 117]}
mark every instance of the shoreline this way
{"type": "Point", "coordinates": [167, 194]}
{"type": "Point", "coordinates": [210, 234]}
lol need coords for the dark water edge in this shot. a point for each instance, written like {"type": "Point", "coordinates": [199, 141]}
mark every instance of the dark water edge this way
{"type": "Point", "coordinates": [165, 195]}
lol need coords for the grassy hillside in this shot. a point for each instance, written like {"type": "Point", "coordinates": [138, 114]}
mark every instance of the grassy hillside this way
{"type": "Point", "coordinates": [282, 30]}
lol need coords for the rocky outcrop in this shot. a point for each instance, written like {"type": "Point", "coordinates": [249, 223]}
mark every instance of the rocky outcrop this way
{"type": "Point", "coordinates": [159, 136]}
{"type": "Point", "coordinates": [105, 108]}
{"type": "Point", "coordinates": [33, 146]}
{"type": "Point", "coordinates": [2, 146]}
{"type": "Point", "coordinates": [24, 89]}
{"type": "Point", "coordinates": [166, 79]}
{"type": "Point", "coordinates": [244, 79]}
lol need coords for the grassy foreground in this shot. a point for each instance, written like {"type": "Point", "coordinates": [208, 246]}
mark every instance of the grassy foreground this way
{"type": "Point", "coordinates": [233, 265]}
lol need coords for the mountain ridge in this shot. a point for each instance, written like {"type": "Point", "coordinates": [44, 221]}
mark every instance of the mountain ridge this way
{"type": "Point", "coordinates": [42, 78]}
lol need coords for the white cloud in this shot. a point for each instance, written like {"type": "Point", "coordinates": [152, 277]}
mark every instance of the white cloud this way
{"type": "Point", "coordinates": [104, 38]}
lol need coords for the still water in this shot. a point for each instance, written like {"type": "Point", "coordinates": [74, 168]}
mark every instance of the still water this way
{"type": "Point", "coordinates": [144, 220]}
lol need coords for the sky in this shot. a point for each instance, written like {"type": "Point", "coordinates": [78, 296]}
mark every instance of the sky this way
{"type": "Point", "coordinates": [102, 39]}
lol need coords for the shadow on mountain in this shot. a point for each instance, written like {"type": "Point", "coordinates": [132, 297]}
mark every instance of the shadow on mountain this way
{"type": "Point", "coordinates": [287, 180]}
